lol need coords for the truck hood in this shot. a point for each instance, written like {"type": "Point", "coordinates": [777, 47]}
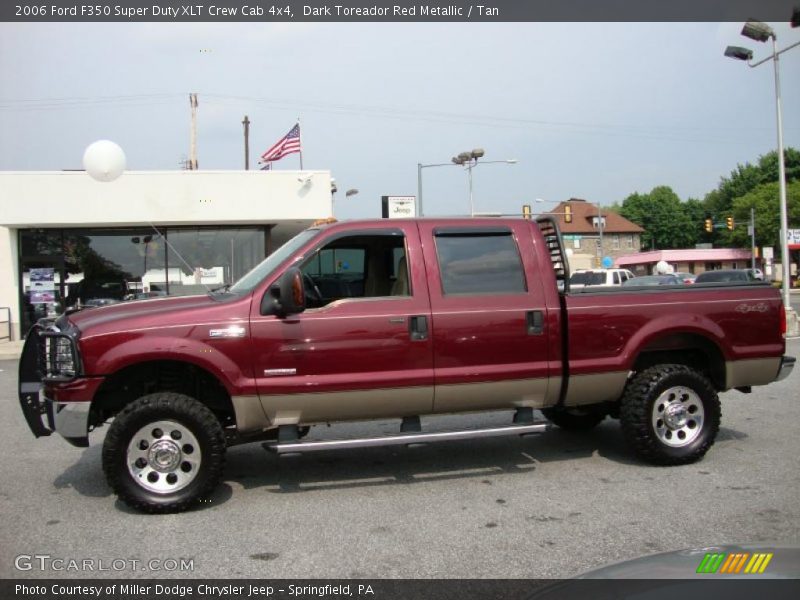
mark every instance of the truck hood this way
{"type": "Point", "coordinates": [159, 312]}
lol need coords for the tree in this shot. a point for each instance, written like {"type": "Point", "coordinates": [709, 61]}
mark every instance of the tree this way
{"type": "Point", "coordinates": [668, 223]}
{"type": "Point", "coordinates": [766, 200]}
{"type": "Point", "coordinates": [746, 178]}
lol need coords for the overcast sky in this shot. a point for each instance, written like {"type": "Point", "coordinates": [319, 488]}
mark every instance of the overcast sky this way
{"type": "Point", "coordinates": [589, 110]}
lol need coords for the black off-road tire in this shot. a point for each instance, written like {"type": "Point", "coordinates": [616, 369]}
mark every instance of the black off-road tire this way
{"type": "Point", "coordinates": [574, 419]}
{"type": "Point", "coordinates": [180, 474]}
{"type": "Point", "coordinates": [670, 414]}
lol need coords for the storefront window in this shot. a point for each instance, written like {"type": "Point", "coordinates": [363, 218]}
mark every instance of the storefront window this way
{"type": "Point", "coordinates": [204, 259]}
{"type": "Point", "coordinates": [109, 266]}
{"type": "Point", "coordinates": [64, 268]}
{"type": "Point", "coordinates": [41, 242]}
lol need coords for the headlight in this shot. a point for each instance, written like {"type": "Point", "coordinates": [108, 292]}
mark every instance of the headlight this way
{"type": "Point", "coordinates": [64, 362]}
{"type": "Point", "coordinates": [58, 357]}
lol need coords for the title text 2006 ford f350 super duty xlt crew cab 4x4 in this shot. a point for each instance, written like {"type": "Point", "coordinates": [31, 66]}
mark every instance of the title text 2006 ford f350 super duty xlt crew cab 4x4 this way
{"type": "Point", "coordinates": [400, 318]}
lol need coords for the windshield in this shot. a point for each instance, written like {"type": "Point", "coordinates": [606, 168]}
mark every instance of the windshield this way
{"type": "Point", "coordinates": [265, 267]}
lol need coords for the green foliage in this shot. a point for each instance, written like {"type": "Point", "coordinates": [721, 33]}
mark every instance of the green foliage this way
{"type": "Point", "coordinates": [745, 178]}
{"type": "Point", "coordinates": [668, 222]}
{"type": "Point", "coordinates": [765, 198]}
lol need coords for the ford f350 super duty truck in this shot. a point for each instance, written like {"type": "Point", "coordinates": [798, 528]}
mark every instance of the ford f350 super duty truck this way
{"type": "Point", "coordinates": [393, 319]}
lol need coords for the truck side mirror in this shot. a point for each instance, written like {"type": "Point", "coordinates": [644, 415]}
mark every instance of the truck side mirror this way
{"type": "Point", "coordinates": [285, 297]}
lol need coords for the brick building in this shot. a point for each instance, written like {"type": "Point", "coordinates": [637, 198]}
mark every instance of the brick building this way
{"type": "Point", "coordinates": [580, 224]}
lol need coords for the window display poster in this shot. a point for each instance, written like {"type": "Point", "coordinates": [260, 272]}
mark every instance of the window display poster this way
{"type": "Point", "coordinates": [42, 285]}
{"type": "Point", "coordinates": [42, 297]}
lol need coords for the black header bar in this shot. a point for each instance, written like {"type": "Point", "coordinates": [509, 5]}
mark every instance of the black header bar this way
{"type": "Point", "coordinates": [229, 11]}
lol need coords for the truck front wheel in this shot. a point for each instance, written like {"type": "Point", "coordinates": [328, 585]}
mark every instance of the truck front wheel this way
{"type": "Point", "coordinates": [164, 452]}
{"type": "Point", "coordinates": [670, 414]}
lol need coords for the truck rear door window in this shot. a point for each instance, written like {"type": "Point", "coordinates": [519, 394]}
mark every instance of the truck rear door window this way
{"type": "Point", "coordinates": [480, 262]}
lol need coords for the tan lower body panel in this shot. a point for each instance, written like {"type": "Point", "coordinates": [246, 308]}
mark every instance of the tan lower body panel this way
{"type": "Point", "coordinates": [249, 414]}
{"type": "Point", "coordinates": [594, 388]}
{"type": "Point", "coordinates": [496, 395]}
{"type": "Point", "coordinates": [350, 405]}
{"type": "Point", "coordinates": [291, 409]}
{"type": "Point", "coordinates": [753, 371]}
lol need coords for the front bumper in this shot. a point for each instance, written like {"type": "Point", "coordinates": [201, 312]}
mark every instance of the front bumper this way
{"type": "Point", "coordinates": [787, 364]}
{"type": "Point", "coordinates": [62, 407]}
{"type": "Point", "coordinates": [45, 416]}
{"type": "Point", "coordinates": [70, 420]}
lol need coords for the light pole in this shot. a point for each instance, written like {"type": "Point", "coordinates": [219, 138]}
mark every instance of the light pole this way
{"type": "Point", "coordinates": [420, 166]}
{"type": "Point", "coordinates": [600, 231]}
{"type": "Point", "coordinates": [334, 189]}
{"type": "Point", "coordinates": [146, 241]}
{"type": "Point", "coordinates": [470, 161]}
{"type": "Point", "coordinates": [761, 32]}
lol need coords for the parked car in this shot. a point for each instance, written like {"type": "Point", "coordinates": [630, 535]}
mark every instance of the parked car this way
{"type": "Point", "coordinates": [726, 276]}
{"type": "Point", "coordinates": [653, 280]}
{"type": "Point", "coordinates": [588, 277]}
{"type": "Point", "coordinates": [95, 302]}
{"type": "Point", "coordinates": [687, 278]}
{"type": "Point", "coordinates": [428, 316]}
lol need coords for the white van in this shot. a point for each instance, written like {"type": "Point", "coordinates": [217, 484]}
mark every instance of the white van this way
{"type": "Point", "coordinates": [588, 277]}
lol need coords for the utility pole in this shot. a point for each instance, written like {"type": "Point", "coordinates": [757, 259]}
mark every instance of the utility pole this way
{"type": "Point", "coordinates": [246, 124]}
{"type": "Point", "coordinates": [193, 134]}
{"type": "Point", "coordinates": [600, 231]}
{"type": "Point", "coordinates": [752, 238]}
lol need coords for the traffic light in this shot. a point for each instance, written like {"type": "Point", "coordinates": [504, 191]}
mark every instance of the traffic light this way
{"type": "Point", "coordinates": [729, 223]}
{"type": "Point", "coordinates": [709, 225]}
{"type": "Point", "coordinates": [527, 213]}
{"type": "Point", "coordinates": [567, 214]}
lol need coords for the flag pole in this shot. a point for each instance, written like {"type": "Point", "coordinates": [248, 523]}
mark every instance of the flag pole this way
{"type": "Point", "coordinates": [300, 131]}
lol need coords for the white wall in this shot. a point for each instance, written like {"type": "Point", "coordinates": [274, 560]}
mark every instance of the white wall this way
{"type": "Point", "coordinates": [72, 198]}
{"type": "Point", "coordinates": [9, 287]}
{"type": "Point", "coordinates": [290, 199]}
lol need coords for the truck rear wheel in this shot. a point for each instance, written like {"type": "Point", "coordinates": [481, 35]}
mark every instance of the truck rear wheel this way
{"type": "Point", "coordinates": [163, 453]}
{"type": "Point", "coordinates": [574, 419]}
{"type": "Point", "coordinates": [670, 414]}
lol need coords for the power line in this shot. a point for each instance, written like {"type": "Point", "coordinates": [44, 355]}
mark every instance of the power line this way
{"type": "Point", "coordinates": [663, 132]}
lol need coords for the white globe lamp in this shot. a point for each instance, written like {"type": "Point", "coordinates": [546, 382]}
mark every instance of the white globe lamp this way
{"type": "Point", "coordinates": [662, 267]}
{"type": "Point", "coordinates": [104, 160]}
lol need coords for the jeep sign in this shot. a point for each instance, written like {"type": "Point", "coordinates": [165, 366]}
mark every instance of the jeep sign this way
{"type": "Point", "coordinates": [399, 207]}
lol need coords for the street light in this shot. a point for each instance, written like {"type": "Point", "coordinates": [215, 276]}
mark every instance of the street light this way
{"type": "Point", "coordinates": [334, 189]}
{"type": "Point", "coordinates": [420, 166]}
{"type": "Point", "coordinates": [761, 32]}
{"type": "Point", "coordinates": [470, 161]}
{"type": "Point", "coordinates": [146, 241]}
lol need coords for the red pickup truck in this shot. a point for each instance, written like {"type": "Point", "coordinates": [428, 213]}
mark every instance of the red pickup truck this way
{"type": "Point", "coordinates": [400, 318]}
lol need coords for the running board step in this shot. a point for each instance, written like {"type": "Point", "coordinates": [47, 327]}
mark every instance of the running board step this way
{"type": "Point", "coordinates": [405, 439]}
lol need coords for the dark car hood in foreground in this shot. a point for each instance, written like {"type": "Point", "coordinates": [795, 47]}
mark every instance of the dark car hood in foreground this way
{"type": "Point", "coordinates": [674, 576]}
{"type": "Point", "coordinates": [683, 564]}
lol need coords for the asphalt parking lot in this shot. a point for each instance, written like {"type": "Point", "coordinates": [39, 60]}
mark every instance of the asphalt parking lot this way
{"type": "Point", "coordinates": [549, 506]}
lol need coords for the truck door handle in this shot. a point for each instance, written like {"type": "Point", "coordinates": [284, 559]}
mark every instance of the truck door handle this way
{"type": "Point", "coordinates": [535, 322]}
{"type": "Point", "coordinates": [418, 328]}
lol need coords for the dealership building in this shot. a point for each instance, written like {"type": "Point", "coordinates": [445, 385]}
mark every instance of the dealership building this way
{"type": "Point", "coordinates": [68, 240]}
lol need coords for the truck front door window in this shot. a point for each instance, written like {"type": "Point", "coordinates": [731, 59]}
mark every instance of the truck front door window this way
{"type": "Point", "coordinates": [359, 266]}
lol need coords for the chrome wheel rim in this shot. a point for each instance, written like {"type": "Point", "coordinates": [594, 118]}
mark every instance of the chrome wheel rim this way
{"type": "Point", "coordinates": [163, 457]}
{"type": "Point", "coordinates": [678, 416]}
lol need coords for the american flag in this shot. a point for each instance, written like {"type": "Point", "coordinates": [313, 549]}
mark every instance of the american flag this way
{"type": "Point", "coordinates": [288, 144]}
